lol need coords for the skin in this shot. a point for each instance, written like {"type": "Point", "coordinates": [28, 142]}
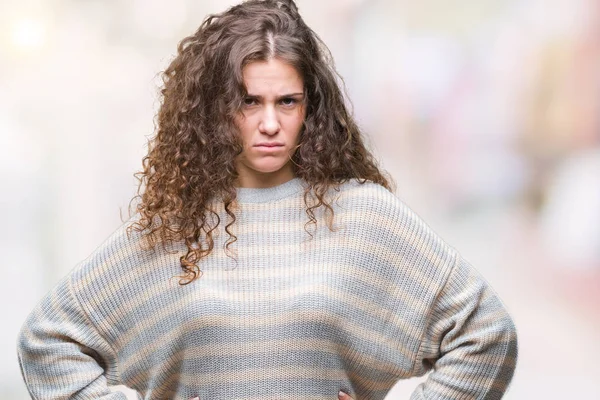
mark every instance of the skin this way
{"type": "Point", "coordinates": [273, 112]}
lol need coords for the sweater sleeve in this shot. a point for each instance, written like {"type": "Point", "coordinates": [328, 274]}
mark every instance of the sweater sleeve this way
{"type": "Point", "coordinates": [61, 354]}
{"type": "Point", "coordinates": [470, 341]}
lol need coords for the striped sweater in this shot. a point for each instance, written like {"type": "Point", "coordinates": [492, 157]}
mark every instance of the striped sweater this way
{"type": "Point", "coordinates": [292, 314]}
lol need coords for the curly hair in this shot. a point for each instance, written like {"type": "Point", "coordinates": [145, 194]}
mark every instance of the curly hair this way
{"type": "Point", "coordinates": [191, 158]}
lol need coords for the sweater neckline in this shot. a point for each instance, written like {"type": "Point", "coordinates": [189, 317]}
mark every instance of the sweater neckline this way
{"type": "Point", "coordinates": [274, 193]}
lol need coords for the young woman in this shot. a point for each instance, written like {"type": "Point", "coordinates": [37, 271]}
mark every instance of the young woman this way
{"type": "Point", "coordinates": [267, 257]}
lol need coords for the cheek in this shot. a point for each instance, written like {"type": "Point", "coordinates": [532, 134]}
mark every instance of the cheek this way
{"type": "Point", "coordinates": [298, 121]}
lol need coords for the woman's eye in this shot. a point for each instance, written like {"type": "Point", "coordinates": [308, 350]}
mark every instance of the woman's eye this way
{"type": "Point", "coordinates": [249, 101]}
{"type": "Point", "coordinates": [288, 102]}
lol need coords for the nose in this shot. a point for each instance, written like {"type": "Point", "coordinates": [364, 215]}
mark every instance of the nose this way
{"type": "Point", "coordinates": [269, 123]}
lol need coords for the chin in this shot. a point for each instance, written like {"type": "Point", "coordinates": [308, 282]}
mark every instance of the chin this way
{"type": "Point", "coordinates": [268, 168]}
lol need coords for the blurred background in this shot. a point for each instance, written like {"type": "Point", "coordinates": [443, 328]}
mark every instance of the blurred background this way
{"type": "Point", "coordinates": [485, 112]}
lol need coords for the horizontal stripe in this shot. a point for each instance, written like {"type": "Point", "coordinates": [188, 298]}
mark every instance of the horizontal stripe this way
{"type": "Point", "coordinates": [292, 381]}
{"type": "Point", "coordinates": [310, 322]}
{"type": "Point", "coordinates": [224, 353]}
{"type": "Point", "coordinates": [418, 281]}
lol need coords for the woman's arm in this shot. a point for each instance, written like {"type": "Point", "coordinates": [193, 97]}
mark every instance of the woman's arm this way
{"type": "Point", "coordinates": [62, 355]}
{"type": "Point", "coordinates": [470, 342]}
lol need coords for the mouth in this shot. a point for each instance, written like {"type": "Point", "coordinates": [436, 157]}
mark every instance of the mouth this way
{"type": "Point", "coordinates": [269, 145]}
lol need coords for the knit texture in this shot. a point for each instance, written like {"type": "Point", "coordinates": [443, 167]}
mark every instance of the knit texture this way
{"type": "Point", "coordinates": [283, 315]}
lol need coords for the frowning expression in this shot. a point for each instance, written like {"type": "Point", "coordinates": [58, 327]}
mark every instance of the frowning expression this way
{"type": "Point", "coordinates": [269, 123]}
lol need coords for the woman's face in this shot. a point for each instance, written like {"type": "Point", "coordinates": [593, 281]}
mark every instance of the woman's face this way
{"type": "Point", "coordinates": [269, 122]}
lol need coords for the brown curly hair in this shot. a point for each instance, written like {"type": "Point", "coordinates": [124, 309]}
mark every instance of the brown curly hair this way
{"type": "Point", "coordinates": [191, 159]}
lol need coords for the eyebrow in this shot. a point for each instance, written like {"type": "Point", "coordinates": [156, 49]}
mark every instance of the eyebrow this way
{"type": "Point", "coordinates": [283, 96]}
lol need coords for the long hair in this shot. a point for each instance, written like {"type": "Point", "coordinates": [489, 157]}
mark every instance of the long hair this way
{"type": "Point", "coordinates": [191, 159]}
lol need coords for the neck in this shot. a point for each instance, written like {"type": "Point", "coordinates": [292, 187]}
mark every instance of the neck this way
{"type": "Point", "coordinates": [264, 181]}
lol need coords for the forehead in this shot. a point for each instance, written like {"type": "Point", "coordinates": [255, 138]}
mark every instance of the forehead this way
{"type": "Point", "coordinates": [272, 75]}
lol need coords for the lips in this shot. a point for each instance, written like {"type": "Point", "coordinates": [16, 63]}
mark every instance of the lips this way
{"type": "Point", "coordinates": [269, 144]}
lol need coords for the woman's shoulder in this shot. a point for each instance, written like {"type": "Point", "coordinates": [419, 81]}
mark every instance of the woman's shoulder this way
{"type": "Point", "coordinates": [369, 197]}
{"type": "Point", "coordinates": [122, 253]}
{"type": "Point", "coordinates": [376, 212]}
